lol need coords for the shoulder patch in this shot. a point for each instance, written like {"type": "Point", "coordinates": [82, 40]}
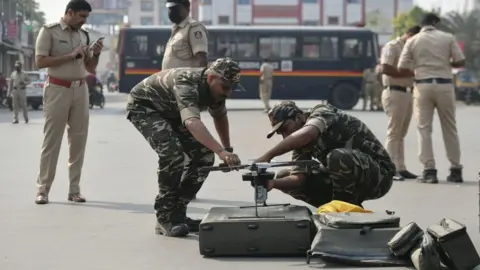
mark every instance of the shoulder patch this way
{"type": "Point", "coordinates": [198, 34]}
{"type": "Point", "coordinates": [50, 25]}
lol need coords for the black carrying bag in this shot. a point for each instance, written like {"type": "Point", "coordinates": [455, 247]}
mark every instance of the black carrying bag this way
{"type": "Point", "coordinates": [359, 239]}
{"type": "Point", "coordinates": [454, 246]}
{"type": "Point", "coordinates": [280, 230]}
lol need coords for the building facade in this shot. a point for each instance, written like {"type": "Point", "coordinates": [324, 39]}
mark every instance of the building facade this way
{"type": "Point", "coordinates": [16, 39]}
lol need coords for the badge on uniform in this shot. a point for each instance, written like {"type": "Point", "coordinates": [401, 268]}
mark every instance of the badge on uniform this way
{"type": "Point", "coordinates": [198, 34]}
{"type": "Point", "coordinates": [387, 52]}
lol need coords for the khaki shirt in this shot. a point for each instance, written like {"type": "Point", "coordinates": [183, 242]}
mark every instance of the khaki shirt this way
{"type": "Point", "coordinates": [390, 55]}
{"type": "Point", "coordinates": [266, 72]}
{"type": "Point", "coordinates": [429, 54]}
{"type": "Point", "coordinates": [188, 38]}
{"type": "Point", "coordinates": [57, 39]}
{"type": "Point", "coordinates": [369, 76]}
{"type": "Point", "coordinates": [19, 80]}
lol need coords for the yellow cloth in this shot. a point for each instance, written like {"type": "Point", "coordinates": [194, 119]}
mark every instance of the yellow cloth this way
{"type": "Point", "coordinates": [340, 207]}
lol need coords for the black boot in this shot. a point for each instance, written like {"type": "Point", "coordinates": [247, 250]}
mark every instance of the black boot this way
{"type": "Point", "coordinates": [455, 176]}
{"type": "Point", "coordinates": [408, 175]}
{"type": "Point", "coordinates": [428, 177]}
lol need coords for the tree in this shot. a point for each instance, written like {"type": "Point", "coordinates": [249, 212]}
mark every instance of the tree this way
{"type": "Point", "coordinates": [30, 11]}
{"type": "Point", "coordinates": [466, 28]}
{"type": "Point", "coordinates": [403, 21]}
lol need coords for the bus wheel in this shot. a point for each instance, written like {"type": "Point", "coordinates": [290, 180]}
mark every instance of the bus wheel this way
{"type": "Point", "coordinates": [344, 96]}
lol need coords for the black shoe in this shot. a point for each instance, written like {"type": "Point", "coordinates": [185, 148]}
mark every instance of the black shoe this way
{"type": "Point", "coordinates": [398, 177]}
{"type": "Point", "coordinates": [15, 122]}
{"type": "Point", "coordinates": [428, 177]}
{"type": "Point", "coordinates": [171, 230]}
{"type": "Point", "coordinates": [193, 224]}
{"type": "Point", "coordinates": [455, 176]}
{"type": "Point", "coordinates": [408, 175]}
{"type": "Point", "coordinates": [26, 121]}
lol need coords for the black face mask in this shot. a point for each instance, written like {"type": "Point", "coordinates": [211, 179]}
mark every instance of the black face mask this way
{"type": "Point", "coordinates": [174, 15]}
{"type": "Point", "coordinates": [18, 69]}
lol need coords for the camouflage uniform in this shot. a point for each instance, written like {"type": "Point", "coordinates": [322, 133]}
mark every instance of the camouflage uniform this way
{"type": "Point", "coordinates": [158, 107]}
{"type": "Point", "coordinates": [358, 168]}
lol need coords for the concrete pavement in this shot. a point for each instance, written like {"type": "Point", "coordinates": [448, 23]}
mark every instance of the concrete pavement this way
{"type": "Point", "coordinates": [114, 230]}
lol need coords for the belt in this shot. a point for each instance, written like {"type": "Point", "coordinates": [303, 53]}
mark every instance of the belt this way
{"type": "Point", "coordinates": [65, 83]}
{"type": "Point", "coordinates": [435, 80]}
{"type": "Point", "coordinates": [399, 88]}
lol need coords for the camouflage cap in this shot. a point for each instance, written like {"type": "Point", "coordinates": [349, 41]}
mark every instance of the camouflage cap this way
{"type": "Point", "coordinates": [280, 112]}
{"type": "Point", "coordinates": [228, 70]}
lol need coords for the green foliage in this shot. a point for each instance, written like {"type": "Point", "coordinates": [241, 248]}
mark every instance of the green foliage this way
{"type": "Point", "coordinates": [465, 27]}
{"type": "Point", "coordinates": [406, 20]}
{"type": "Point", "coordinates": [30, 11]}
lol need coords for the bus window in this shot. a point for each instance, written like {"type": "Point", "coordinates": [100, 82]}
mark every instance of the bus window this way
{"type": "Point", "coordinates": [352, 47]}
{"type": "Point", "coordinates": [139, 46]}
{"type": "Point", "coordinates": [246, 46]}
{"type": "Point", "coordinates": [329, 48]}
{"type": "Point", "coordinates": [311, 47]}
{"type": "Point", "coordinates": [278, 47]}
{"type": "Point", "coordinates": [211, 47]}
{"type": "Point", "coordinates": [226, 46]}
{"type": "Point", "coordinates": [160, 50]}
{"type": "Point", "coordinates": [369, 48]}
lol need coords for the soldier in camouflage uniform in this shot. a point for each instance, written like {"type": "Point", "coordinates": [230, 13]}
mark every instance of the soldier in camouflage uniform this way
{"type": "Point", "coordinates": [165, 108]}
{"type": "Point", "coordinates": [357, 167]}
{"type": "Point", "coordinates": [371, 84]}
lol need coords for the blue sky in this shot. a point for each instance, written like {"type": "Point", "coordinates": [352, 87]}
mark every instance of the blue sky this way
{"type": "Point", "coordinates": [55, 9]}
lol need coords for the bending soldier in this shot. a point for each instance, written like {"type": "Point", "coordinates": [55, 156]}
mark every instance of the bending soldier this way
{"type": "Point", "coordinates": [358, 168]}
{"type": "Point", "coordinates": [165, 109]}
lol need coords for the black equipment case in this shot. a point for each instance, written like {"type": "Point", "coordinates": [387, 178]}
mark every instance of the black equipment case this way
{"type": "Point", "coordinates": [454, 245]}
{"type": "Point", "coordinates": [359, 239]}
{"type": "Point", "coordinates": [276, 230]}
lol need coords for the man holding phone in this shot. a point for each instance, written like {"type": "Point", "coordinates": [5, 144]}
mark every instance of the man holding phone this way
{"type": "Point", "coordinates": [64, 49]}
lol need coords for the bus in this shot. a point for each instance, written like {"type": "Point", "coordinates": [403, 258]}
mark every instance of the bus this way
{"type": "Point", "coordinates": [311, 62]}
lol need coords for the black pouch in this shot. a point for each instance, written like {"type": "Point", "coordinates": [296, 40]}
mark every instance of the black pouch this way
{"type": "Point", "coordinates": [425, 256]}
{"type": "Point", "coordinates": [406, 239]}
{"type": "Point", "coordinates": [359, 239]}
{"type": "Point", "coordinates": [454, 245]}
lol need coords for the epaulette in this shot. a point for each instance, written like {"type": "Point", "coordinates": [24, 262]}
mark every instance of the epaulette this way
{"type": "Point", "coordinates": [50, 25]}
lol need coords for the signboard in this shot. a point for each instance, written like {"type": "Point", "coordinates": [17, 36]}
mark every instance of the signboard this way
{"type": "Point", "coordinates": [98, 5]}
{"type": "Point", "coordinates": [105, 19]}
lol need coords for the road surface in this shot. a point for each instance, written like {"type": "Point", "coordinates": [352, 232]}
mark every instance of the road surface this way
{"type": "Point", "coordinates": [114, 230]}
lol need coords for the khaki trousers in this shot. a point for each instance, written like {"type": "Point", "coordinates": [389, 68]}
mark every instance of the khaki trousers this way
{"type": "Point", "coordinates": [63, 107]}
{"type": "Point", "coordinates": [426, 98]}
{"type": "Point", "coordinates": [19, 101]}
{"type": "Point", "coordinates": [266, 92]}
{"type": "Point", "coordinates": [398, 106]}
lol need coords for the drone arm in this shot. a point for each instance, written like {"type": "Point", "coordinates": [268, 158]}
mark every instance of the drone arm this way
{"type": "Point", "coordinates": [296, 140]}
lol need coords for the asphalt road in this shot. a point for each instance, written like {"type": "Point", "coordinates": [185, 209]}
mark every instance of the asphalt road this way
{"type": "Point", "coordinates": [114, 230]}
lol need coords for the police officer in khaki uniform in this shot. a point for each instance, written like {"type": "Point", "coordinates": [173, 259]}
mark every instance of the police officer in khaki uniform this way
{"type": "Point", "coordinates": [431, 54]}
{"type": "Point", "coordinates": [266, 83]}
{"type": "Point", "coordinates": [62, 48]}
{"type": "Point", "coordinates": [188, 45]}
{"type": "Point", "coordinates": [369, 83]}
{"type": "Point", "coordinates": [18, 89]}
{"type": "Point", "coordinates": [397, 102]}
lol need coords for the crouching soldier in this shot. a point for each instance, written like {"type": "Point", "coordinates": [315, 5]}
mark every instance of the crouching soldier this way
{"type": "Point", "coordinates": [357, 167]}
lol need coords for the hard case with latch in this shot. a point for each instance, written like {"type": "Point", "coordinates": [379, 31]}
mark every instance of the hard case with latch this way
{"type": "Point", "coordinates": [454, 245]}
{"type": "Point", "coordinates": [276, 230]}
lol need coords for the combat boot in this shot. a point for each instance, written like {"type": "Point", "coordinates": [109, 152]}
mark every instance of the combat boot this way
{"type": "Point", "coordinates": [193, 224]}
{"type": "Point", "coordinates": [455, 176]}
{"type": "Point", "coordinates": [428, 177]}
{"type": "Point", "coordinates": [172, 225]}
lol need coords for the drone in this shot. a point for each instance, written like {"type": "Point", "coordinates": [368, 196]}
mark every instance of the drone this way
{"type": "Point", "coordinates": [258, 176]}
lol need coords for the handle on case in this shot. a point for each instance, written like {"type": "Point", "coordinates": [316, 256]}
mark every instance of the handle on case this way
{"type": "Point", "coordinates": [252, 226]}
{"type": "Point", "coordinates": [365, 230]}
{"type": "Point", "coordinates": [252, 249]}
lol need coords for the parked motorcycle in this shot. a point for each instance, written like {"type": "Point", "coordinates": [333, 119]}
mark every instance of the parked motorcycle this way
{"type": "Point", "coordinates": [97, 98]}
